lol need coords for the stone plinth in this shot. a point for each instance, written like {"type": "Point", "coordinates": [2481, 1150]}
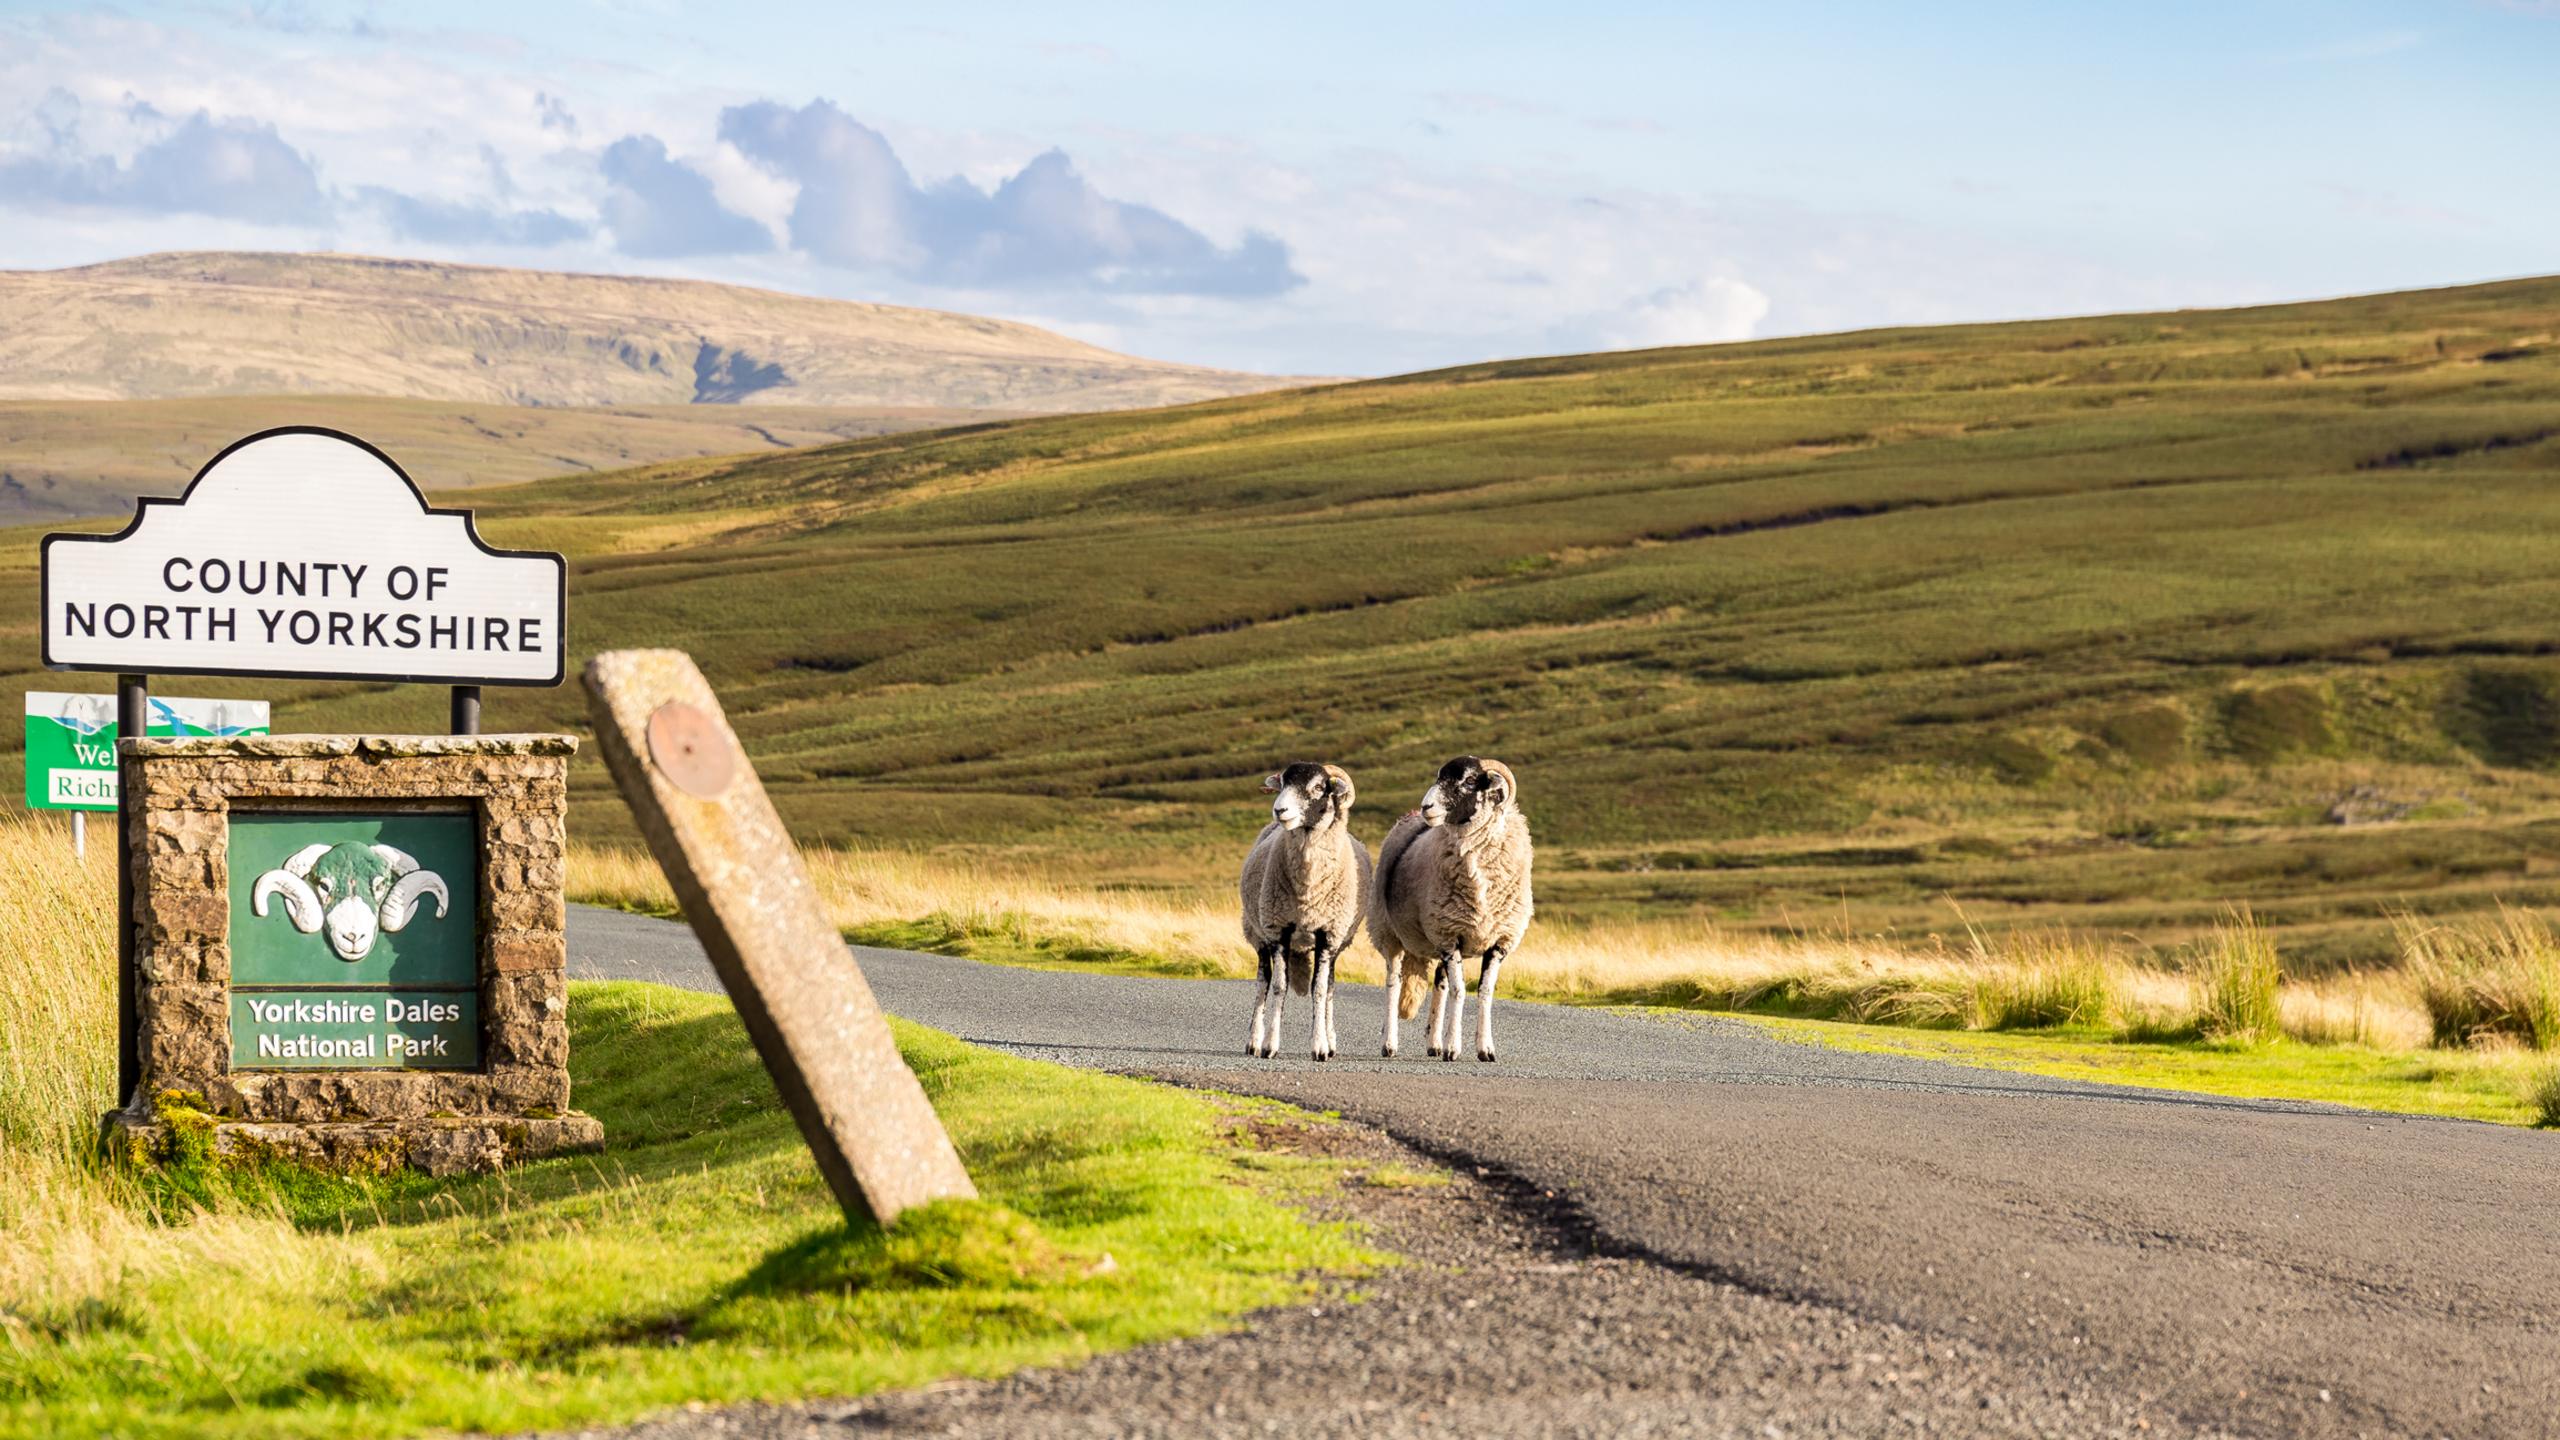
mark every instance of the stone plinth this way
{"type": "Point", "coordinates": [494, 916]}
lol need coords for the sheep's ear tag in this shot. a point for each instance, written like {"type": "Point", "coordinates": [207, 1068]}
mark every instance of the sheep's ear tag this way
{"type": "Point", "coordinates": [688, 748]}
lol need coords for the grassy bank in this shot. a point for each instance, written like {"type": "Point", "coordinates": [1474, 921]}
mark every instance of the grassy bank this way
{"type": "Point", "coordinates": [699, 1258]}
{"type": "Point", "coordinates": [2472, 997]}
{"type": "Point", "coordinates": [2499, 1085]}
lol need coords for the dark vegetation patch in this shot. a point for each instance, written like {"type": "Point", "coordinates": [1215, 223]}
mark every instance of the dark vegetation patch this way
{"type": "Point", "coordinates": [2509, 714]}
{"type": "Point", "coordinates": [2266, 723]}
{"type": "Point", "coordinates": [2454, 448]}
{"type": "Point", "coordinates": [2152, 735]}
{"type": "Point", "coordinates": [2018, 760]}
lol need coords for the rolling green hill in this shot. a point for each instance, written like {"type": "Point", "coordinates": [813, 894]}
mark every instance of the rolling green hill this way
{"type": "Point", "coordinates": [2109, 622]}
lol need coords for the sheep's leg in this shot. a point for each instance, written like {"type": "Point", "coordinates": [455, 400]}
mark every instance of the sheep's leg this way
{"type": "Point", "coordinates": [1440, 1008]}
{"type": "Point", "coordinates": [1445, 1010]}
{"type": "Point", "coordinates": [1320, 993]}
{"type": "Point", "coordinates": [1395, 997]}
{"type": "Point", "coordinates": [1332, 963]}
{"type": "Point", "coordinates": [1484, 998]}
{"type": "Point", "coordinates": [1264, 957]}
{"type": "Point", "coordinates": [1455, 966]}
{"type": "Point", "coordinates": [1278, 989]}
{"type": "Point", "coordinates": [1279, 993]}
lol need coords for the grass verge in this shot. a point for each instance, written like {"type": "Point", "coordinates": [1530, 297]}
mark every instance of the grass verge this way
{"type": "Point", "coordinates": [2492, 1085]}
{"type": "Point", "coordinates": [699, 1259]}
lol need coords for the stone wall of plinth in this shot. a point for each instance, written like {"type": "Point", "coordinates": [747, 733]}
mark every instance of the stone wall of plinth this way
{"type": "Point", "coordinates": [516, 786]}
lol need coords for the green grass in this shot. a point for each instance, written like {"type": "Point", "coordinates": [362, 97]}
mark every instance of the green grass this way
{"type": "Point", "coordinates": [2542, 1094]}
{"type": "Point", "coordinates": [2493, 1086]}
{"type": "Point", "coordinates": [700, 1258]}
{"type": "Point", "coordinates": [1016, 940]}
{"type": "Point", "coordinates": [2085, 623]}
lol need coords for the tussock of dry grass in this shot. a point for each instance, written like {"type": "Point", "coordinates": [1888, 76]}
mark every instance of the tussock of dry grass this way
{"type": "Point", "coordinates": [73, 1237]}
{"type": "Point", "coordinates": [2231, 988]}
{"type": "Point", "coordinates": [2484, 979]}
{"type": "Point", "coordinates": [2239, 982]}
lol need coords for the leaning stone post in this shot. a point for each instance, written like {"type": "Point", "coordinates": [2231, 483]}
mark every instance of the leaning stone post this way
{"type": "Point", "coordinates": [747, 893]}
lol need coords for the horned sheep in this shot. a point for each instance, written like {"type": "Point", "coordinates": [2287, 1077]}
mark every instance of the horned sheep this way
{"type": "Point", "coordinates": [1452, 880]}
{"type": "Point", "coordinates": [1305, 888]}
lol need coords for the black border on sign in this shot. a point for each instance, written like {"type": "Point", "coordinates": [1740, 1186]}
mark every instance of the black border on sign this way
{"type": "Point", "coordinates": [143, 504]}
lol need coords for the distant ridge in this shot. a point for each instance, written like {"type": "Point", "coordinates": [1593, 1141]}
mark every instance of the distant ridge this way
{"type": "Point", "coordinates": [196, 324]}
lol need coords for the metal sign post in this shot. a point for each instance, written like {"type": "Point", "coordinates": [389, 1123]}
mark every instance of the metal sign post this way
{"type": "Point", "coordinates": [133, 705]}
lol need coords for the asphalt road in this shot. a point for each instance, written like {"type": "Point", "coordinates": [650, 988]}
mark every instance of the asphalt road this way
{"type": "Point", "coordinates": [2070, 1259]}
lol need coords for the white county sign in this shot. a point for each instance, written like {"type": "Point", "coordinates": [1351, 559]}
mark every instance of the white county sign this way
{"type": "Point", "coordinates": [303, 552]}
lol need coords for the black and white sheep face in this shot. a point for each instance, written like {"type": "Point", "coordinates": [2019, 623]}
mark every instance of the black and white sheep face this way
{"type": "Point", "coordinates": [1308, 796]}
{"type": "Point", "coordinates": [354, 892]}
{"type": "Point", "coordinates": [1469, 788]}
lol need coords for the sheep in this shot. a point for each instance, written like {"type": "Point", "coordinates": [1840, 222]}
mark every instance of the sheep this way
{"type": "Point", "coordinates": [356, 891]}
{"type": "Point", "coordinates": [1452, 880]}
{"type": "Point", "coordinates": [1305, 888]}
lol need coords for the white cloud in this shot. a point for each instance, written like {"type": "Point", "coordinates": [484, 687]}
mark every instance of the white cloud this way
{"type": "Point", "coordinates": [1043, 228]}
{"type": "Point", "coordinates": [1703, 312]}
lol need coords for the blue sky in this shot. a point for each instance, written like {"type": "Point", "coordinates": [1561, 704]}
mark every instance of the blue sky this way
{"type": "Point", "coordinates": [1323, 189]}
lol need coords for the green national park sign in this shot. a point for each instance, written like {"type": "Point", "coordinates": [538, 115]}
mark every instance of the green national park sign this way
{"type": "Point", "coordinates": [354, 940]}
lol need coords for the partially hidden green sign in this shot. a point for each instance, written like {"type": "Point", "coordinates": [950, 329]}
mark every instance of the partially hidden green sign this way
{"type": "Point", "coordinates": [71, 741]}
{"type": "Point", "coordinates": [354, 941]}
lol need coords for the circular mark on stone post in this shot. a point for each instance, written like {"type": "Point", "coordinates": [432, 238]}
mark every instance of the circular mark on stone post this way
{"type": "Point", "coordinates": [690, 750]}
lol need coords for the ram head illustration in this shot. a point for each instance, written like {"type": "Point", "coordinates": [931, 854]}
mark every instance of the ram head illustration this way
{"type": "Point", "coordinates": [355, 891]}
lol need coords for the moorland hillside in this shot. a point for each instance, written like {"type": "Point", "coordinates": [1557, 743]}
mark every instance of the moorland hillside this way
{"type": "Point", "coordinates": [2109, 622]}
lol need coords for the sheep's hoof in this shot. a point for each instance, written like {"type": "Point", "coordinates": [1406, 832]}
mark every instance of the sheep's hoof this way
{"type": "Point", "coordinates": [1449, 1054]}
{"type": "Point", "coordinates": [1387, 1052]}
{"type": "Point", "coordinates": [1318, 1056]}
{"type": "Point", "coordinates": [1485, 1055]}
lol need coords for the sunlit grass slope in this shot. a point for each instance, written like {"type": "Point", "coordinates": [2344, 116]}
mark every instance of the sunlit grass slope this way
{"type": "Point", "coordinates": [2106, 623]}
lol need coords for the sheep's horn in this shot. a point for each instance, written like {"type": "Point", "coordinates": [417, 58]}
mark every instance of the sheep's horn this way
{"type": "Point", "coordinates": [402, 903]}
{"type": "Point", "coordinates": [301, 902]}
{"type": "Point", "coordinates": [400, 861]}
{"type": "Point", "coordinates": [299, 863]}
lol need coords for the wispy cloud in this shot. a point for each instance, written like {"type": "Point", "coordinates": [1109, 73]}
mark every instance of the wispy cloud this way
{"type": "Point", "coordinates": [1478, 102]}
{"type": "Point", "coordinates": [464, 223]}
{"type": "Point", "coordinates": [1044, 226]}
{"type": "Point", "coordinates": [2381, 205]}
{"type": "Point", "coordinates": [227, 166]}
{"type": "Point", "coordinates": [659, 207]}
{"type": "Point", "coordinates": [2370, 46]}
